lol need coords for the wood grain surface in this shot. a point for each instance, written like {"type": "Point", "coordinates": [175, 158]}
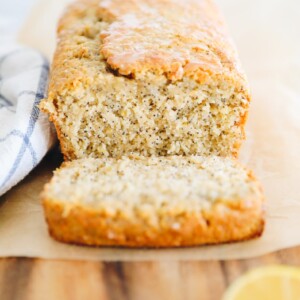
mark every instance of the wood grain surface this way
{"type": "Point", "coordinates": [38, 279]}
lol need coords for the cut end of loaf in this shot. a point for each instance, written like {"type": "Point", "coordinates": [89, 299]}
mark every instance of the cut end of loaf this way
{"type": "Point", "coordinates": [153, 202]}
{"type": "Point", "coordinates": [182, 118]}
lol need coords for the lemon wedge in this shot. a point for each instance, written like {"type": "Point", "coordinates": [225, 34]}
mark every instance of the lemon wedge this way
{"type": "Point", "coordinates": [276, 282]}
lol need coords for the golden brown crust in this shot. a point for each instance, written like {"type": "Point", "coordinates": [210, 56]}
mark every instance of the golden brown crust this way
{"type": "Point", "coordinates": [172, 37]}
{"type": "Point", "coordinates": [224, 222]}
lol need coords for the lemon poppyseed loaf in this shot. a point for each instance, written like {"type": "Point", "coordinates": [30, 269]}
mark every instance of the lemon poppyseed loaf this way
{"type": "Point", "coordinates": [153, 202]}
{"type": "Point", "coordinates": [152, 77]}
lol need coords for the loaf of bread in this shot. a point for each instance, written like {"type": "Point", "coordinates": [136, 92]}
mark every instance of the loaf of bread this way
{"type": "Point", "coordinates": [149, 77]}
{"type": "Point", "coordinates": [153, 202]}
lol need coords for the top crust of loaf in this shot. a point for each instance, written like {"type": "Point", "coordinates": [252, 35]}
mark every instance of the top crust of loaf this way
{"type": "Point", "coordinates": [174, 38]}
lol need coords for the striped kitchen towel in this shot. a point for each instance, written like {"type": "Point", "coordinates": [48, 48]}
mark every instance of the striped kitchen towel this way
{"type": "Point", "coordinates": [25, 133]}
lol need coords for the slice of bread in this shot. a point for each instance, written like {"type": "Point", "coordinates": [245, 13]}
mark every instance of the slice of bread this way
{"type": "Point", "coordinates": [153, 202]}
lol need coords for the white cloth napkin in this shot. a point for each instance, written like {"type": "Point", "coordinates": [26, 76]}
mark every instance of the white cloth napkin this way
{"type": "Point", "coordinates": [25, 133]}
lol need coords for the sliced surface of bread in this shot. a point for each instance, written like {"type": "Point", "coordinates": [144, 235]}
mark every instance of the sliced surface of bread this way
{"type": "Point", "coordinates": [151, 77]}
{"type": "Point", "coordinates": [153, 202]}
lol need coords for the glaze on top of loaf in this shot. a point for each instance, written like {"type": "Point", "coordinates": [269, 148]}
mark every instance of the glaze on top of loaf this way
{"type": "Point", "coordinates": [166, 37]}
{"type": "Point", "coordinates": [172, 37]}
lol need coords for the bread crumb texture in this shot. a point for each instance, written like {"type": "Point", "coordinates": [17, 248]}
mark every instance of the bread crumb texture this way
{"type": "Point", "coordinates": [159, 201]}
{"type": "Point", "coordinates": [149, 77]}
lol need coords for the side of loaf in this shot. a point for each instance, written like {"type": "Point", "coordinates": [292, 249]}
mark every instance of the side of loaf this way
{"type": "Point", "coordinates": [149, 77]}
{"type": "Point", "coordinates": [153, 202]}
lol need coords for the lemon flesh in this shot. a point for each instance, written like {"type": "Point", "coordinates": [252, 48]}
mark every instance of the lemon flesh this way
{"type": "Point", "coordinates": [266, 283]}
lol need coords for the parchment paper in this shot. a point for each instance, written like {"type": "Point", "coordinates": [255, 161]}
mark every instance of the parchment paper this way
{"type": "Point", "coordinates": [267, 34]}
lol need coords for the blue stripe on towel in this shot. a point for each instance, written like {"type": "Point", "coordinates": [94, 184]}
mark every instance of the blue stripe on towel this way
{"type": "Point", "coordinates": [33, 93]}
{"type": "Point", "coordinates": [5, 100]}
{"type": "Point", "coordinates": [21, 135]}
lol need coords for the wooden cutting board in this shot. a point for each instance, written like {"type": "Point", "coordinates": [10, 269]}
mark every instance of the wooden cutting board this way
{"type": "Point", "coordinates": [38, 279]}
